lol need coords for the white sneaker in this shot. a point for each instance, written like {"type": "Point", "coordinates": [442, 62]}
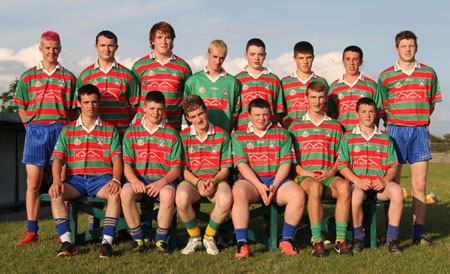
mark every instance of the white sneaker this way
{"type": "Point", "coordinates": [193, 245]}
{"type": "Point", "coordinates": [210, 246]}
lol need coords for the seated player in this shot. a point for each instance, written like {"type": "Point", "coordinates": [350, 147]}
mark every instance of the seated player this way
{"type": "Point", "coordinates": [152, 163]}
{"type": "Point", "coordinates": [367, 159]}
{"type": "Point", "coordinates": [90, 149]}
{"type": "Point", "coordinates": [316, 141]}
{"type": "Point", "coordinates": [263, 153]}
{"type": "Point", "coordinates": [207, 164]}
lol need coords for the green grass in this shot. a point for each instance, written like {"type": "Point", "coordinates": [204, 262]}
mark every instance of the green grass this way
{"type": "Point", "coordinates": [41, 257]}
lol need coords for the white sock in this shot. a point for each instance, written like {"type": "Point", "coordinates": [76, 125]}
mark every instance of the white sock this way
{"type": "Point", "coordinates": [66, 237]}
{"type": "Point", "coordinates": [107, 239]}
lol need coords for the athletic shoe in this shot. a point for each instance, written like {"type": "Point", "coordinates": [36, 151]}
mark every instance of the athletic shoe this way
{"type": "Point", "coordinates": [162, 247]}
{"type": "Point", "coordinates": [105, 251]}
{"type": "Point", "coordinates": [393, 247]}
{"type": "Point", "coordinates": [422, 241]}
{"type": "Point", "coordinates": [358, 245]}
{"type": "Point", "coordinates": [242, 250]}
{"type": "Point", "coordinates": [342, 248]}
{"type": "Point", "coordinates": [287, 247]}
{"type": "Point", "coordinates": [31, 237]}
{"type": "Point", "coordinates": [210, 246]}
{"type": "Point", "coordinates": [318, 250]}
{"type": "Point", "coordinates": [67, 249]}
{"type": "Point", "coordinates": [193, 245]}
{"type": "Point", "coordinates": [137, 246]}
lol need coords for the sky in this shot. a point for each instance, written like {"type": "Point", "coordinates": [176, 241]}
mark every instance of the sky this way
{"type": "Point", "coordinates": [329, 25]}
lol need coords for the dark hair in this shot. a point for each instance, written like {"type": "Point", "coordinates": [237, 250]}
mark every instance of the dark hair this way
{"type": "Point", "coordinates": [108, 34]}
{"type": "Point", "coordinates": [258, 103]}
{"type": "Point", "coordinates": [365, 101]}
{"type": "Point", "coordinates": [88, 89]}
{"type": "Point", "coordinates": [164, 27]}
{"type": "Point", "coordinates": [317, 87]}
{"type": "Point", "coordinates": [303, 47]}
{"type": "Point", "coordinates": [156, 97]}
{"type": "Point", "coordinates": [193, 102]}
{"type": "Point", "coordinates": [255, 42]}
{"type": "Point", "coordinates": [406, 34]}
{"type": "Point", "coordinates": [354, 49]}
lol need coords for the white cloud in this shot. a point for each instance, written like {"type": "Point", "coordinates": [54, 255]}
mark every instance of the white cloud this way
{"type": "Point", "coordinates": [127, 62]}
{"type": "Point", "coordinates": [86, 61]}
{"type": "Point", "coordinates": [27, 56]}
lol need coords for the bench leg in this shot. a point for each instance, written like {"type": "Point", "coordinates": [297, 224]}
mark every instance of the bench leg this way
{"type": "Point", "coordinates": [273, 227]}
{"type": "Point", "coordinates": [73, 217]}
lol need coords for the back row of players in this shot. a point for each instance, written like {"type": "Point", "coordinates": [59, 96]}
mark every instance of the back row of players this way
{"type": "Point", "coordinates": [405, 98]}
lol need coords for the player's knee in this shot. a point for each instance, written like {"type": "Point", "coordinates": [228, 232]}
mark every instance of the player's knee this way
{"type": "Point", "coordinates": [167, 197]}
{"type": "Point", "coordinates": [358, 197]}
{"type": "Point", "coordinates": [114, 198]}
{"type": "Point", "coordinates": [343, 190]}
{"type": "Point", "coordinates": [182, 199]}
{"type": "Point", "coordinates": [315, 190]}
{"type": "Point", "coordinates": [419, 189]}
{"type": "Point", "coordinates": [225, 201]}
{"type": "Point", "coordinates": [239, 195]}
{"type": "Point", "coordinates": [395, 192]}
{"type": "Point", "coordinates": [127, 196]}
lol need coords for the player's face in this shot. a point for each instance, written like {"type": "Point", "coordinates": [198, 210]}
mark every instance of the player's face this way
{"type": "Point", "coordinates": [255, 56]}
{"type": "Point", "coordinates": [316, 101]}
{"type": "Point", "coordinates": [50, 51]}
{"type": "Point", "coordinates": [304, 62]}
{"type": "Point", "coordinates": [260, 118]}
{"type": "Point", "coordinates": [366, 115]}
{"type": "Point", "coordinates": [162, 43]}
{"type": "Point", "coordinates": [154, 112]}
{"type": "Point", "coordinates": [406, 50]}
{"type": "Point", "coordinates": [199, 118]}
{"type": "Point", "coordinates": [88, 105]}
{"type": "Point", "coordinates": [106, 48]}
{"type": "Point", "coordinates": [215, 59]}
{"type": "Point", "coordinates": [352, 61]}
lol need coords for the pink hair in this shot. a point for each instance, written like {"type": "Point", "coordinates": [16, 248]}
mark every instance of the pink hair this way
{"type": "Point", "coordinates": [50, 36]}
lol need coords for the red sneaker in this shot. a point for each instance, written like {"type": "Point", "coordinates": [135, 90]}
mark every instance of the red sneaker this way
{"type": "Point", "coordinates": [242, 251]}
{"type": "Point", "coordinates": [31, 237]}
{"type": "Point", "coordinates": [287, 247]}
{"type": "Point", "coordinates": [67, 249]}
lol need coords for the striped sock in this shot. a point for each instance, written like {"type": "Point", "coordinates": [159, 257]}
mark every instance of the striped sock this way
{"type": "Point", "coordinates": [241, 235]}
{"type": "Point", "coordinates": [93, 222]}
{"type": "Point", "coordinates": [211, 229]}
{"type": "Point", "coordinates": [341, 229]}
{"type": "Point", "coordinates": [32, 226]}
{"type": "Point", "coordinates": [62, 225]}
{"type": "Point", "coordinates": [192, 228]}
{"type": "Point", "coordinates": [316, 231]}
{"type": "Point", "coordinates": [109, 229]}
{"type": "Point", "coordinates": [137, 233]}
{"type": "Point", "coordinates": [288, 232]}
{"type": "Point", "coordinates": [162, 234]}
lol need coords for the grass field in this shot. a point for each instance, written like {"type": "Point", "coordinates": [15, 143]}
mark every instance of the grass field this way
{"type": "Point", "coordinates": [41, 257]}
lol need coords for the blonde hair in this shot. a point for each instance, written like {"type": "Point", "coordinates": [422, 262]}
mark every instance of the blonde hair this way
{"type": "Point", "coordinates": [219, 45]}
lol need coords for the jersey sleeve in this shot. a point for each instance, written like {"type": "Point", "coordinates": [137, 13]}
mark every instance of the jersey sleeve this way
{"type": "Point", "coordinates": [237, 98]}
{"type": "Point", "coordinates": [177, 149]}
{"type": "Point", "coordinates": [20, 99]}
{"type": "Point", "coordinates": [60, 150]}
{"type": "Point", "coordinates": [127, 151]}
{"type": "Point", "coordinates": [225, 159]}
{"type": "Point", "coordinates": [392, 161]}
{"type": "Point", "coordinates": [378, 101]}
{"type": "Point", "coordinates": [73, 92]}
{"type": "Point", "coordinates": [287, 153]}
{"type": "Point", "coordinates": [332, 107]}
{"type": "Point", "coordinates": [344, 154]}
{"type": "Point", "coordinates": [435, 91]}
{"type": "Point", "coordinates": [239, 155]}
{"type": "Point", "coordinates": [133, 89]}
{"type": "Point", "coordinates": [279, 99]}
{"type": "Point", "coordinates": [383, 93]}
{"type": "Point", "coordinates": [115, 149]}
{"type": "Point", "coordinates": [297, 145]}
{"type": "Point", "coordinates": [188, 87]}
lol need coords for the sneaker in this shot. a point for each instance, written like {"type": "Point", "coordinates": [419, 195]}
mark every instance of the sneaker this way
{"type": "Point", "coordinates": [31, 237]}
{"type": "Point", "coordinates": [67, 249]}
{"type": "Point", "coordinates": [162, 247]}
{"type": "Point", "coordinates": [318, 250]}
{"type": "Point", "coordinates": [193, 245]}
{"type": "Point", "coordinates": [137, 246]}
{"type": "Point", "coordinates": [358, 245]}
{"type": "Point", "coordinates": [210, 246]}
{"type": "Point", "coordinates": [422, 241]}
{"type": "Point", "coordinates": [287, 247]}
{"type": "Point", "coordinates": [105, 251]}
{"type": "Point", "coordinates": [393, 247]}
{"type": "Point", "coordinates": [342, 248]}
{"type": "Point", "coordinates": [242, 251]}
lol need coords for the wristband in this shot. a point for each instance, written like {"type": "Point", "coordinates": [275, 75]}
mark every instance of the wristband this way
{"type": "Point", "coordinates": [117, 181]}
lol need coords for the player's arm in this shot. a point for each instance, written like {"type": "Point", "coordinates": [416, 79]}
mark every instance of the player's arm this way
{"type": "Point", "coordinates": [304, 172]}
{"type": "Point", "coordinates": [57, 188]}
{"type": "Point", "coordinates": [248, 173]}
{"type": "Point", "coordinates": [363, 183]}
{"type": "Point", "coordinates": [137, 185]}
{"type": "Point", "coordinates": [282, 173]}
{"type": "Point", "coordinates": [380, 184]}
{"type": "Point", "coordinates": [325, 174]}
{"type": "Point", "coordinates": [154, 188]}
{"type": "Point", "coordinates": [22, 113]}
{"type": "Point", "coordinates": [114, 185]}
{"type": "Point", "coordinates": [432, 106]}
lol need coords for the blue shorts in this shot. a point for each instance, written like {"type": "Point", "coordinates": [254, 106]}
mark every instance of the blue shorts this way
{"type": "Point", "coordinates": [40, 140]}
{"type": "Point", "coordinates": [371, 194]}
{"type": "Point", "coordinates": [88, 185]}
{"type": "Point", "coordinates": [145, 197]}
{"type": "Point", "coordinates": [411, 143]}
{"type": "Point", "coordinates": [268, 180]}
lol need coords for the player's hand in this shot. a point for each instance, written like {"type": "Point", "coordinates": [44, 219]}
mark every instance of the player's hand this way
{"type": "Point", "coordinates": [310, 173]}
{"type": "Point", "coordinates": [202, 188]}
{"type": "Point", "coordinates": [114, 187]}
{"type": "Point", "coordinates": [364, 184]}
{"type": "Point", "coordinates": [272, 190]}
{"type": "Point", "coordinates": [210, 186]}
{"type": "Point", "coordinates": [379, 184]}
{"type": "Point", "coordinates": [138, 187]}
{"type": "Point", "coordinates": [263, 191]}
{"type": "Point", "coordinates": [56, 189]}
{"type": "Point", "coordinates": [154, 188]}
{"type": "Point", "coordinates": [322, 174]}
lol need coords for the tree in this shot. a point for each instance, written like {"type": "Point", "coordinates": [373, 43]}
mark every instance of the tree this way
{"type": "Point", "coordinates": [7, 97]}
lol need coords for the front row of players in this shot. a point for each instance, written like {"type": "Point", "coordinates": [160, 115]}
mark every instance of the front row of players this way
{"type": "Point", "coordinates": [155, 157]}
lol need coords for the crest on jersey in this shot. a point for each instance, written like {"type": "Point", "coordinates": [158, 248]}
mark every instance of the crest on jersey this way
{"type": "Point", "coordinates": [292, 92]}
{"type": "Point", "coordinates": [305, 134]}
{"type": "Point", "coordinates": [341, 96]}
{"type": "Point", "coordinates": [95, 82]}
{"type": "Point", "coordinates": [250, 146]}
{"type": "Point", "coordinates": [398, 85]}
{"type": "Point", "coordinates": [328, 132]}
{"type": "Point", "coordinates": [202, 90]}
{"type": "Point", "coordinates": [421, 82]}
{"type": "Point", "coordinates": [214, 149]}
{"type": "Point", "coordinates": [162, 143]}
{"type": "Point", "coordinates": [151, 73]}
{"type": "Point", "coordinates": [174, 72]}
{"type": "Point", "coordinates": [100, 140]}
{"type": "Point", "coordinates": [140, 142]}
{"type": "Point", "coordinates": [362, 93]}
{"type": "Point", "coordinates": [378, 148]}
{"type": "Point", "coordinates": [191, 150]}
{"type": "Point", "coordinates": [244, 87]}
{"type": "Point", "coordinates": [356, 149]}
{"type": "Point", "coordinates": [266, 85]}
{"type": "Point", "coordinates": [61, 83]}
{"type": "Point", "coordinates": [226, 92]}
{"type": "Point", "coordinates": [116, 81]}
{"type": "Point", "coordinates": [77, 142]}
{"type": "Point", "coordinates": [38, 84]}
{"type": "Point", "coordinates": [272, 143]}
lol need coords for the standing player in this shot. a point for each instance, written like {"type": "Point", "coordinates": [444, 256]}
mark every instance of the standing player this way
{"type": "Point", "coordinates": [263, 153]}
{"type": "Point", "coordinates": [367, 159]}
{"type": "Point", "coordinates": [257, 81]}
{"type": "Point", "coordinates": [346, 91]}
{"type": "Point", "coordinates": [294, 86]}
{"type": "Point", "coordinates": [90, 150]}
{"type": "Point", "coordinates": [316, 141]}
{"type": "Point", "coordinates": [163, 71]}
{"type": "Point", "coordinates": [410, 91]}
{"type": "Point", "coordinates": [152, 157]}
{"type": "Point", "coordinates": [44, 97]}
{"type": "Point", "coordinates": [207, 162]}
{"type": "Point", "coordinates": [218, 89]}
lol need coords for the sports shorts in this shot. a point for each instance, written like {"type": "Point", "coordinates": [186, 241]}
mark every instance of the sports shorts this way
{"type": "Point", "coordinates": [40, 140]}
{"type": "Point", "coordinates": [88, 185]}
{"type": "Point", "coordinates": [268, 180]}
{"type": "Point", "coordinates": [194, 186]}
{"type": "Point", "coordinates": [411, 143]}
{"type": "Point", "coordinates": [325, 183]}
{"type": "Point", "coordinates": [371, 194]}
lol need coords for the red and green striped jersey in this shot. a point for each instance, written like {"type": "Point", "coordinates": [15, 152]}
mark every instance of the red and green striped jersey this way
{"type": "Point", "coordinates": [316, 145]}
{"type": "Point", "coordinates": [152, 154]}
{"type": "Point", "coordinates": [343, 97]}
{"type": "Point", "coordinates": [88, 152]}
{"type": "Point", "coordinates": [266, 85]}
{"type": "Point", "coordinates": [46, 96]}
{"type": "Point", "coordinates": [264, 154]}
{"type": "Point", "coordinates": [205, 158]}
{"type": "Point", "coordinates": [169, 78]}
{"type": "Point", "coordinates": [294, 92]}
{"type": "Point", "coordinates": [367, 157]}
{"type": "Point", "coordinates": [407, 98]}
{"type": "Point", "coordinates": [119, 90]}
{"type": "Point", "coordinates": [221, 96]}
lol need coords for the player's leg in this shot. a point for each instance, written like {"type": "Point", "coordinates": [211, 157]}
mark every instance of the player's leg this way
{"type": "Point", "coordinates": [130, 211]}
{"type": "Point", "coordinates": [418, 180]}
{"type": "Point", "coordinates": [292, 196]}
{"type": "Point", "coordinates": [165, 215]}
{"type": "Point", "coordinates": [357, 198]}
{"type": "Point", "coordinates": [186, 195]}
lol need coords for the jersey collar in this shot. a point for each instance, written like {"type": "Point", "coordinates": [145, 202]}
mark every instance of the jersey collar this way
{"type": "Point", "coordinates": [222, 73]}
{"type": "Point", "coordinates": [306, 117]}
{"type": "Point", "coordinates": [341, 80]}
{"type": "Point", "coordinates": [250, 129]}
{"type": "Point", "coordinates": [357, 130]}
{"type": "Point", "coordinates": [49, 73]}
{"type": "Point", "coordinates": [264, 71]}
{"type": "Point", "coordinates": [398, 68]}
{"type": "Point", "coordinates": [152, 55]}
{"type": "Point", "coordinates": [211, 131]}
{"type": "Point", "coordinates": [98, 122]}
{"type": "Point", "coordinates": [162, 124]}
{"type": "Point", "coordinates": [313, 75]}
{"type": "Point", "coordinates": [97, 66]}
